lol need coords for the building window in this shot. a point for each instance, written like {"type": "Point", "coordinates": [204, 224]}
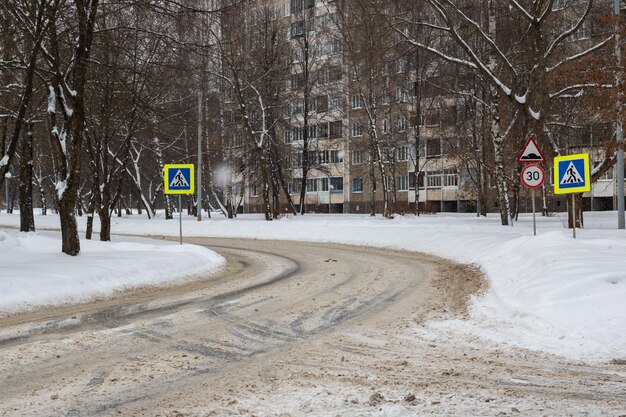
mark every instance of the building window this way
{"type": "Point", "coordinates": [297, 29]}
{"type": "Point", "coordinates": [401, 65]}
{"type": "Point", "coordinates": [311, 185]}
{"type": "Point", "coordinates": [336, 157]}
{"type": "Point", "coordinates": [357, 101]}
{"type": "Point", "coordinates": [288, 136]}
{"type": "Point", "coordinates": [357, 185]}
{"type": "Point", "coordinates": [298, 134]}
{"type": "Point", "coordinates": [357, 129]}
{"type": "Point", "coordinates": [357, 157]}
{"type": "Point", "coordinates": [433, 147]}
{"type": "Point", "coordinates": [420, 180]}
{"type": "Point", "coordinates": [402, 125]}
{"type": "Point", "coordinates": [336, 183]}
{"type": "Point", "coordinates": [336, 129]}
{"type": "Point", "coordinates": [323, 184]}
{"type": "Point", "coordinates": [322, 130]}
{"type": "Point", "coordinates": [296, 160]}
{"type": "Point", "coordinates": [402, 95]}
{"type": "Point", "coordinates": [336, 102]}
{"type": "Point", "coordinates": [312, 134]}
{"type": "Point", "coordinates": [296, 107]}
{"type": "Point", "coordinates": [336, 46]}
{"type": "Point", "coordinates": [385, 126]}
{"type": "Point", "coordinates": [433, 179]}
{"type": "Point", "coordinates": [321, 103]}
{"type": "Point", "coordinates": [450, 178]}
{"type": "Point", "coordinates": [334, 73]}
{"type": "Point", "coordinates": [322, 77]}
{"type": "Point", "coordinates": [323, 157]}
{"type": "Point", "coordinates": [402, 153]}
{"type": "Point", "coordinates": [297, 5]}
{"type": "Point", "coordinates": [254, 190]}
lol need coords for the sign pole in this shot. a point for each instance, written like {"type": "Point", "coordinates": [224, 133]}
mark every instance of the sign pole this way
{"type": "Point", "coordinates": [180, 217]}
{"type": "Point", "coordinates": [574, 214]}
{"type": "Point", "coordinates": [619, 133]}
{"type": "Point", "coordinates": [199, 171]}
{"type": "Point", "coordinates": [178, 179]}
{"type": "Point", "coordinates": [532, 194]}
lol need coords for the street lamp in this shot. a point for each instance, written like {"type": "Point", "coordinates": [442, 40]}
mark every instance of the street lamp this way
{"type": "Point", "coordinates": [7, 177]}
{"type": "Point", "coordinates": [619, 134]}
{"type": "Point", "coordinates": [330, 192]}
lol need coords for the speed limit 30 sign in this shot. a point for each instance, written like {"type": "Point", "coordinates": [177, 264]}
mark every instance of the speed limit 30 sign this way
{"type": "Point", "coordinates": [533, 176]}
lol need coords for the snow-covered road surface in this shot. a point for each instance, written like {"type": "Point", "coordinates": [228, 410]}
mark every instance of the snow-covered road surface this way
{"type": "Point", "coordinates": [292, 329]}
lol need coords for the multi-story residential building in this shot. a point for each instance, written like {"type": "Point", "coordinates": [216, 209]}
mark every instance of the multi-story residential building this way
{"type": "Point", "coordinates": [331, 112]}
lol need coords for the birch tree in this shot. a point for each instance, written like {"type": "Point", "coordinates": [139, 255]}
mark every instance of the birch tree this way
{"type": "Point", "coordinates": [526, 89]}
{"type": "Point", "coordinates": [67, 86]}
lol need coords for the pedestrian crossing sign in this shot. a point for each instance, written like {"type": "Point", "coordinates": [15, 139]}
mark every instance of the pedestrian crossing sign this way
{"type": "Point", "coordinates": [572, 174]}
{"type": "Point", "coordinates": [178, 179]}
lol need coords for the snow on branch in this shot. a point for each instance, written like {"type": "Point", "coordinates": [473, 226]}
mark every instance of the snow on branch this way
{"type": "Point", "coordinates": [476, 61]}
{"type": "Point", "coordinates": [483, 35]}
{"type": "Point", "coordinates": [581, 87]}
{"type": "Point", "coordinates": [581, 54]}
{"type": "Point", "coordinates": [569, 31]}
{"type": "Point", "coordinates": [52, 98]}
{"type": "Point", "coordinates": [67, 110]}
{"type": "Point", "coordinates": [523, 10]}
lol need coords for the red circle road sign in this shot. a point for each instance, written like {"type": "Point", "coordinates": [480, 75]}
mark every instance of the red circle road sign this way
{"type": "Point", "coordinates": [533, 176]}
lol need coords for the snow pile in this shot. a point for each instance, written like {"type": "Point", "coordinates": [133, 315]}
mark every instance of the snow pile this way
{"type": "Point", "coordinates": [34, 272]}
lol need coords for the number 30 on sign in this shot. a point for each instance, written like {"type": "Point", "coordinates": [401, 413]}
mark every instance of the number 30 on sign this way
{"type": "Point", "coordinates": [532, 176]}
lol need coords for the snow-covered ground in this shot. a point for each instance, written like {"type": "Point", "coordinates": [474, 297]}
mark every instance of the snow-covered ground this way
{"type": "Point", "coordinates": [547, 292]}
{"type": "Point", "coordinates": [34, 272]}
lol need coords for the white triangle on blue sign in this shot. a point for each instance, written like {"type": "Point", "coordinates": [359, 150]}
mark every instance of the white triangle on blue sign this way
{"type": "Point", "coordinates": [179, 180]}
{"type": "Point", "coordinates": [571, 175]}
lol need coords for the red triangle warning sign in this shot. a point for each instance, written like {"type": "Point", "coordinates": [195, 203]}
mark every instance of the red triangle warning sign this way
{"type": "Point", "coordinates": [531, 152]}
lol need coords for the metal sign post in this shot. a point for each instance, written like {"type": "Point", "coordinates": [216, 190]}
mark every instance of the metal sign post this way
{"type": "Point", "coordinates": [574, 215]}
{"type": "Point", "coordinates": [533, 177]}
{"type": "Point", "coordinates": [179, 180]}
{"type": "Point", "coordinates": [532, 196]}
{"type": "Point", "coordinates": [180, 217]}
{"type": "Point", "coordinates": [572, 175]}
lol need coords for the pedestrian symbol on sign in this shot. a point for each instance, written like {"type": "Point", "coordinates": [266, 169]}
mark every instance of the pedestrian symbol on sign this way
{"type": "Point", "coordinates": [572, 176]}
{"type": "Point", "coordinates": [179, 180]}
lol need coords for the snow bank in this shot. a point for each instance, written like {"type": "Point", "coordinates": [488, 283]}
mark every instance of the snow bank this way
{"type": "Point", "coordinates": [34, 272]}
{"type": "Point", "coordinates": [547, 292]}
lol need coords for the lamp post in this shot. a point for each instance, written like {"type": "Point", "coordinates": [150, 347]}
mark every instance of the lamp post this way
{"type": "Point", "coordinates": [7, 177]}
{"type": "Point", "coordinates": [619, 134]}
{"type": "Point", "coordinates": [330, 192]}
{"type": "Point", "coordinates": [199, 170]}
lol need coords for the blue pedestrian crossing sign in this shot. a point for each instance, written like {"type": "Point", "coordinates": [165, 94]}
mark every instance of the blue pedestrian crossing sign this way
{"type": "Point", "coordinates": [178, 179]}
{"type": "Point", "coordinates": [572, 174]}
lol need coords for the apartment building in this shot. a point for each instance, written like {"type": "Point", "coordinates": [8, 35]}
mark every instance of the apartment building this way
{"type": "Point", "coordinates": [329, 105]}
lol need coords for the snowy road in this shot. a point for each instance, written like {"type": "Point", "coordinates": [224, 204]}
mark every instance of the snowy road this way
{"type": "Point", "coordinates": [294, 328]}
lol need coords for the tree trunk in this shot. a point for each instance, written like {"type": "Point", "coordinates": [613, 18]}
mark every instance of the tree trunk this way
{"type": "Point", "coordinates": [27, 219]}
{"type": "Point", "coordinates": [69, 228]}
{"type": "Point", "coordinates": [89, 230]}
{"type": "Point", "coordinates": [579, 211]}
{"type": "Point", "coordinates": [105, 223]}
{"type": "Point", "coordinates": [267, 209]}
{"type": "Point", "coordinates": [498, 145]}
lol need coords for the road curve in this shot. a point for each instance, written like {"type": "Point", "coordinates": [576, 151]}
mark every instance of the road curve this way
{"type": "Point", "coordinates": [282, 319]}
